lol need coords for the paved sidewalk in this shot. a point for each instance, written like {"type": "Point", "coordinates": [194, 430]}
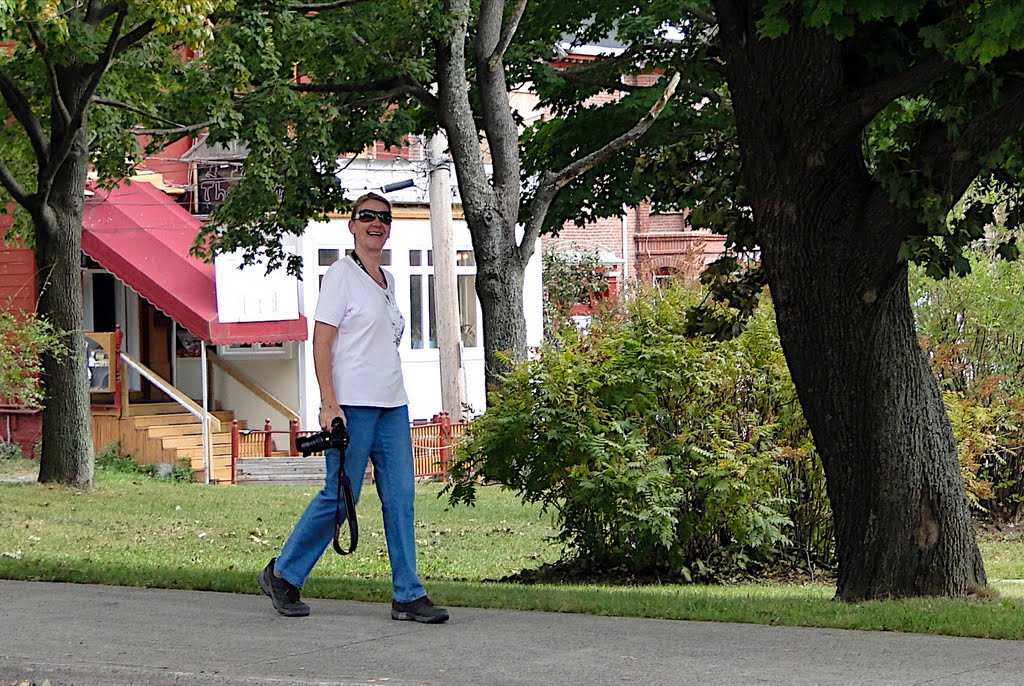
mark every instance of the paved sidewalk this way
{"type": "Point", "coordinates": [110, 636]}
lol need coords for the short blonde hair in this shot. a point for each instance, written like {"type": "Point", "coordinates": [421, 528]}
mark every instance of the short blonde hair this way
{"type": "Point", "coordinates": [366, 197]}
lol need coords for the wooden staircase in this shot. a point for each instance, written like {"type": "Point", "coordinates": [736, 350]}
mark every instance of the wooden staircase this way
{"type": "Point", "coordinates": [165, 432]}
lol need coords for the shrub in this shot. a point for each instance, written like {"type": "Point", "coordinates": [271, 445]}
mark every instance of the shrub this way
{"type": "Point", "coordinates": [970, 329]}
{"type": "Point", "coordinates": [114, 460]}
{"type": "Point", "coordinates": [9, 450]}
{"type": "Point", "coordinates": [659, 453]}
{"type": "Point", "coordinates": [24, 337]}
{"type": "Point", "coordinates": [570, 279]}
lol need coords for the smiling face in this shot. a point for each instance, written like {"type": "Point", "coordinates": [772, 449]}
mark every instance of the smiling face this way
{"type": "Point", "coordinates": [370, 236]}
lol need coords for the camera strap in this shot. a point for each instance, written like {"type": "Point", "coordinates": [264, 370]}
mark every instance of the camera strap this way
{"type": "Point", "coordinates": [345, 490]}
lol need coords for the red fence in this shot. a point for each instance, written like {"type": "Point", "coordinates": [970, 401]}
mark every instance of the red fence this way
{"type": "Point", "coordinates": [432, 443]}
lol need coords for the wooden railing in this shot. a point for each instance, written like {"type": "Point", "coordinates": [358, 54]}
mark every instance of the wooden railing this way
{"type": "Point", "coordinates": [251, 386]}
{"type": "Point", "coordinates": [432, 444]}
{"type": "Point", "coordinates": [173, 393]}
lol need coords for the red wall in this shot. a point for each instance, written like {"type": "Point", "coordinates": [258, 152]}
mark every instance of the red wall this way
{"type": "Point", "coordinates": [18, 293]}
{"type": "Point", "coordinates": [17, 272]}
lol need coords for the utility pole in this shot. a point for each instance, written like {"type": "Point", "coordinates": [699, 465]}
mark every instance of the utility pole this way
{"type": "Point", "coordinates": [446, 316]}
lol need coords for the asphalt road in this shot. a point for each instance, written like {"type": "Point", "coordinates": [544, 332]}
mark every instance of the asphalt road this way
{"type": "Point", "coordinates": [109, 636]}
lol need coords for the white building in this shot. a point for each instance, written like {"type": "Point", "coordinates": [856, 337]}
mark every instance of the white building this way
{"type": "Point", "coordinates": [408, 256]}
{"type": "Point", "coordinates": [140, 279]}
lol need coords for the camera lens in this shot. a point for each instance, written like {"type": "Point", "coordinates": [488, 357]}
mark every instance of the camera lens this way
{"type": "Point", "coordinates": [312, 444]}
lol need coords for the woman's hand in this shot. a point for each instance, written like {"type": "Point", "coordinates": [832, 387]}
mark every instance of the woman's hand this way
{"type": "Point", "coordinates": [328, 413]}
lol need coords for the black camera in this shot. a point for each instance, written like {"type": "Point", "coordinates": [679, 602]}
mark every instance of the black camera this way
{"type": "Point", "coordinates": [336, 438]}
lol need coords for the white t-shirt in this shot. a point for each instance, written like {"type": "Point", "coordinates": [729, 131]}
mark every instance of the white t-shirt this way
{"type": "Point", "coordinates": [366, 365]}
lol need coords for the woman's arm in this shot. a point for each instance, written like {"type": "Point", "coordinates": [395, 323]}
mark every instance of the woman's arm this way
{"type": "Point", "coordinates": [323, 365]}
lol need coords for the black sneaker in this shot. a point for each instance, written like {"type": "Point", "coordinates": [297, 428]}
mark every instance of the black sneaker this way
{"type": "Point", "coordinates": [284, 596]}
{"type": "Point", "coordinates": [419, 610]}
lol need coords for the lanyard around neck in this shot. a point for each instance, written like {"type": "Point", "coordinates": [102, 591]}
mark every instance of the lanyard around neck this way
{"type": "Point", "coordinates": [355, 258]}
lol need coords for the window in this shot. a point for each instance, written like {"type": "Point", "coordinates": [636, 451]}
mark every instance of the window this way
{"type": "Point", "coordinates": [214, 182]}
{"type": "Point", "coordinates": [328, 256]}
{"type": "Point", "coordinates": [664, 276]}
{"type": "Point", "coordinates": [262, 351]}
{"type": "Point", "coordinates": [421, 302]}
{"type": "Point", "coordinates": [467, 310]}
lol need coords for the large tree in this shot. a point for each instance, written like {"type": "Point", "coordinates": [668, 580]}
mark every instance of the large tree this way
{"type": "Point", "coordinates": [837, 219]}
{"type": "Point", "coordinates": [59, 60]}
{"type": "Point", "coordinates": [859, 127]}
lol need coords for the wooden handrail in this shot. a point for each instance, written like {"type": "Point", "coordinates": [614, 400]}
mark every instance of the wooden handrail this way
{"type": "Point", "coordinates": [257, 390]}
{"type": "Point", "coordinates": [175, 395]}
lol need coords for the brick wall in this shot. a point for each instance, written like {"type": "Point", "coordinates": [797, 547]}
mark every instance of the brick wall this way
{"type": "Point", "coordinates": [657, 244]}
{"type": "Point", "coordinates": [412, 149]}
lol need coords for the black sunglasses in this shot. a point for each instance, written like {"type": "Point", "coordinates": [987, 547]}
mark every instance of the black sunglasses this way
{"type": "Point", "coordinates": [367, 216]}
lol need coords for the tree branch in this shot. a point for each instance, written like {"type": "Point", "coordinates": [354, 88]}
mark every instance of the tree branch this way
{"type": "Point", "coordinates": [384, 84]}
{"type": "Point", "coordinates": [131, 38]}
{"type": "Point", "coordinates": [62, 146]}
{"type": "Point", "coordinates": [870, 100]}
{"type": "Point", "coordinates": [51, 73]}
{"type": "Point", "coordinates": [99, 13]}
{"type": "Point", "coordinates": [12, 187]}
{"type": "Point", "coordinates": [386, 89]}
{"type": "Point", "coordinates": [552, 182]}
{"type": "Point", "coordinates": [426, 98]}
{"type": "Point", "coordinates": [136, 110]}
{"type": "Point", "coordinates": [584, 79]}
{"type": "Point", "coordinates": [192, 128]}
{"type": "Point", "coordinates": [706, 17]}
{"type": "Point", "coordinates": [957, 162]}
{"type": "Point", "coordinates": [560, 178]}
{"type": "Point", "coordinates": [22, 111]}
{"type": "Point", "coordinates": [508, 32]}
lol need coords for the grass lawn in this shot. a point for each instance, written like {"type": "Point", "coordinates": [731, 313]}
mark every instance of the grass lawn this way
{"type": "Point", "coordinates": [137, 531]}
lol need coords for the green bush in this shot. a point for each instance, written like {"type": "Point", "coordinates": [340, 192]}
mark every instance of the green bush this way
{"type": "Point", "coordinates": [9, 450]}
{"type": "Point", "coordinates": [970, 329]}
{"type": "Point", "coordinates": [570, 279]}
{"type": "Point", "coordinates": [24, 338]}
{"type": "Point", "coordinates": [659, 453]}
{"type": "Point", "coordinates": [114, 460]}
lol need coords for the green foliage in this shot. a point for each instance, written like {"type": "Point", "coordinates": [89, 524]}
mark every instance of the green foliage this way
{"type": "Point", "coordinates": [24, 337]}
{"type": "Point", "coordinates": [114, 462]}
{"type": "Point", "coordinates": [569, 279]}
{"type": "Point", "coordinates": [9, 450]}
{"type": "Point", "coordinates": [659, 453]}
{"type": "Point", "coordinates": [971, 330]}
{"type": "Point", "coordinates": [55, 44]}
{"type": "Point", "coordinates": [355, 67]}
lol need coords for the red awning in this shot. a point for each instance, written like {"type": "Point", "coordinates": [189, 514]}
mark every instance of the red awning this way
{"type": "Point", "coordinates": [141, 236]}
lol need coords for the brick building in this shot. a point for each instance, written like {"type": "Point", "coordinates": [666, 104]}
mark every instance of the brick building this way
{"type": "Point", "coordinates": [638, 245]}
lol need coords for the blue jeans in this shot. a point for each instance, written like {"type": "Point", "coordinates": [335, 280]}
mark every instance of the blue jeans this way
{"type": "Point", "coordinates": [380, 434]}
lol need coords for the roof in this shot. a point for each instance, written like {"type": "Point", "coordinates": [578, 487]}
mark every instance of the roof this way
{"type": "Point", "coordinates": [143, 238]}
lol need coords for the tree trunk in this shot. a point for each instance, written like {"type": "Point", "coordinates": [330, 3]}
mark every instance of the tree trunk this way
{"type": "Point", "coordinates": [830, 240]}
{"type": "Point", "coordinates": [501, 301]}
{"type": "Point", "coordinates": [67, 451]}
{"type": "Point", "coordinates": [902, 522]}
{"type": "Point", "coordinates": [500, 279]}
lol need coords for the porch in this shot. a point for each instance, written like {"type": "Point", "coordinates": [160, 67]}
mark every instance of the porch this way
{"type": "Point", "coordinates": [163, 425]}
{"type": "Point", "coordinates": [256, 458]}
